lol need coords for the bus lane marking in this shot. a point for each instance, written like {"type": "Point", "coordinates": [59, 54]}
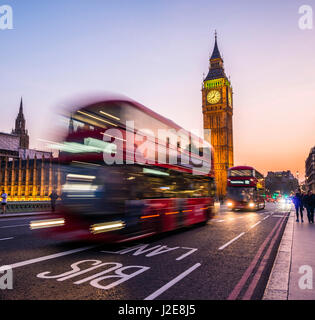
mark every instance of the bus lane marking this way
{"type": "Point", "coordinates": [113, 270]}
{"type": "Point", "coordinates": [49, 257]}
{"type": "Point", "coordinates": [172, 282]}
{"type": "Point", "coordinates": [191, 251]}
{"type": "Point", "coordinates": [145, 250]}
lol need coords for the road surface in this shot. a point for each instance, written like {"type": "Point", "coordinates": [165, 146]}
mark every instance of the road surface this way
{"type": "Point", "coordinates": [229, 258]}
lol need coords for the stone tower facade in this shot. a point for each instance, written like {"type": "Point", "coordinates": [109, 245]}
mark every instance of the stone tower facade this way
{"type": "Point", "coordinates": [20, 128]}
{"type": "Point", "coordinates": [217, 108]}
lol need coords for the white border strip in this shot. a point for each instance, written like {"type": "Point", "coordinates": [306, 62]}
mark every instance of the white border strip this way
{"type": "Point", "coordinates": [52, 256]}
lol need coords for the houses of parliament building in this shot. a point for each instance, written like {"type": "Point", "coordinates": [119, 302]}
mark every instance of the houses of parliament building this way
{"type": "Point", "coordinates": [26, 174]}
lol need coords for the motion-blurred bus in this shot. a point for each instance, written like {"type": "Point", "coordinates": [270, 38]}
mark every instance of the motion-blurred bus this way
{"type": "Point", "coordinates": [245, 189]}
{"type": "Point", "coordinates": [123, 180]}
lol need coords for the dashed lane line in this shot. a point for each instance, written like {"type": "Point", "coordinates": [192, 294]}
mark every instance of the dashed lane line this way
{"type": "Point", "coordinates": [255, 225]}
{"type": "Point", "coordinates": [240, 235]}
{"type": "Point", "coordinates": [228, 243]}
{"type": "Point", "coordinates": [218, 220]}
{"type": "Point", "coordinates": [15, 226]}
{"type": "Point", "coordinates": [4, 239]}
{"type": "Point", "coordinates": [172, 282]}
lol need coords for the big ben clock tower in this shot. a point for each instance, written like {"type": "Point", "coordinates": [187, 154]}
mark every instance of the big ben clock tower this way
{"type": "Point", "coordinates": [217, 108]}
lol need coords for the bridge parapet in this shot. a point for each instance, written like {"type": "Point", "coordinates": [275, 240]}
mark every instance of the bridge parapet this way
{"type": "Point", "coordinates": [28, 206]}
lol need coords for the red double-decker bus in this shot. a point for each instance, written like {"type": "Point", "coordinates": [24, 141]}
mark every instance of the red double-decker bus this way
{"type": "Point", "coordinates": [123, 180]}
{"type": "Point", "coordinates": [245, 188]}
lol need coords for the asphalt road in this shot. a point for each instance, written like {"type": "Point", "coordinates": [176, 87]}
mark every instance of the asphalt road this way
{"type": "Point", "coordinates": [229, 258]}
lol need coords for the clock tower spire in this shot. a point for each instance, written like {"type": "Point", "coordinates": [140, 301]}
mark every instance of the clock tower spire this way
{"type": "Point", "coordinates": [20, 129]}
{"type": "Point", "coordinates": [217, 108]}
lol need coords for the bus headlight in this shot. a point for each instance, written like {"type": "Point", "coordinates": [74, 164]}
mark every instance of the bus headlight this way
{"type": "Point", "coordinates": [230, 204]}
{"type": "Point", "coordinates": [47, 223]}
{"type": "Point", "coordinates": [252, 205]}
{"type": "Point", "coordinates": [107, 226]}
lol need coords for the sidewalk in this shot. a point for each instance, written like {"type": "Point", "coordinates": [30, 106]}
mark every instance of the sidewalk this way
{"type": "Point", "coordinates": [23, 214]}
{"type": "Point", "coordinates": [297, 249]}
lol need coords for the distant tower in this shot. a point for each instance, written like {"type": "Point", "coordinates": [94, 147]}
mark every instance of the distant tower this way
{"type": "Point", "coordinates": [217, 108]}
{"type": "Point", "coordinates": [20, 128]}
{"type": "Point", "coordinates": [71, 126]}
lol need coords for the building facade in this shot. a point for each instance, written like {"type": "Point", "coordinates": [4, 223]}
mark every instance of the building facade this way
{"type": "Point", "coordinates": [282, 182]}
{"type": "Point", "coordinates": [30, 179]}
{"type": "Point", "coordinates": [26, 174]}
{"type": "Point", "coordinates": [217, 108]}
{"type": "Point", "coordinates": [310, 171]}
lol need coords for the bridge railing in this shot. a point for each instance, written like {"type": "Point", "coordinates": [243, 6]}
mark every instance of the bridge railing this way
{"type": "Point", "coordinates": [28, 206]}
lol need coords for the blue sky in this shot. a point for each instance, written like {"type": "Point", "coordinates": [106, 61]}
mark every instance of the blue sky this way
{"type": "Point", "coordinates": [156, 53]}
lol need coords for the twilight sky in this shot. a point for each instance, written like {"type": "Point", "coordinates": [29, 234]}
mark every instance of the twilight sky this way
{"type": "Point", "coordinates": [156, 53]}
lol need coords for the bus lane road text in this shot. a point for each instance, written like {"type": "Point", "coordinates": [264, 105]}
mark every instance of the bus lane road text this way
{"type": "Point", "coordinates": [147, 251]}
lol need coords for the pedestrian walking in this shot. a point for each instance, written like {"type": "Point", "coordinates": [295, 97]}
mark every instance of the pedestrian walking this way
{"type": "Point", "coordinates": [298, 203]}
{"type": "Point", "coordinates": [53, 199]}
{"type": "Point", "coordinates": [4, 198]}
{"type": "Point", "coordinates": [309, 203]}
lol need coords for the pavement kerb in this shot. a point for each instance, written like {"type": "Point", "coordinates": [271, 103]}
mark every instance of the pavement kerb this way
{"type": "Point", "coordinates": [278, 283]}
{"type": "Point", "coordinates": [22, 214]}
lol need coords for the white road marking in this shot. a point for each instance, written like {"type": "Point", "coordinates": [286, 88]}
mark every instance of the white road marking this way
{"type": "Point", "coordinates": [228, 243]}
{"type": "Point", "coordinates": [173, 282]}
{"type": "Point", "coordinates": [52, 256]}
{"type": "Point", "coordinates": [137, 237]}
{"type": "Point", "coordinates": [191, 251]}
{"type": "Point", "coordinates": [255, 225]}
{"type": "Point", "coordinates": [266, 217]}
{"type": "Point", "coordinates": [117, 252]}
{"type": "Point", "coordinates": [6, 239]}
{"type": "Point", "coordinates": [17, 225]}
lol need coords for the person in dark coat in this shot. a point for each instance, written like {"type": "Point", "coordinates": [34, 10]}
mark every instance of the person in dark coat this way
{"type": "Point", "coordinates": [309, 203]}
{"type": "Point", "coordinates": [298, 203]}
{"type": "Point", "coordinates": [53, 198]}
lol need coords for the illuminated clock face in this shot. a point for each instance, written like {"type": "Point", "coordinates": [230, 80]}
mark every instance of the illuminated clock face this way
{"type": "Point", "coordinates": [214, 96]}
